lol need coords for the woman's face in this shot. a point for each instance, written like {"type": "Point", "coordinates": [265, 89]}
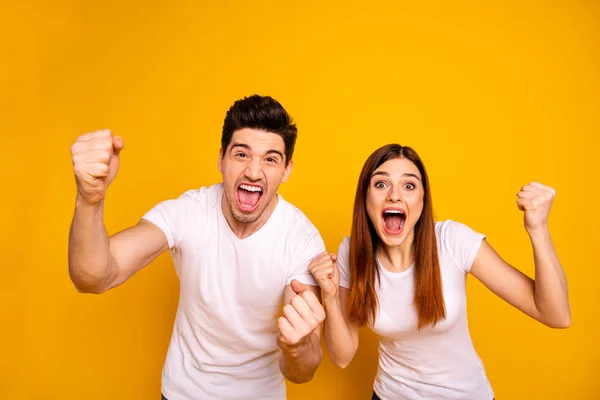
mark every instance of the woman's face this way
{"type": "Point", "coordinates": [395, 200]}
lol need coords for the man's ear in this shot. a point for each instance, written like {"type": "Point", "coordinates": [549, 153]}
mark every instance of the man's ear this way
{"type": "Point", "coordinates": [288, 171]}
{"type": "Point", "coordinates": [220, 162]}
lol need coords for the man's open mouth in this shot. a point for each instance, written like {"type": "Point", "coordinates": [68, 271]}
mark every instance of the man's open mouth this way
{"type": "Point", "coordinates": [248, 196]}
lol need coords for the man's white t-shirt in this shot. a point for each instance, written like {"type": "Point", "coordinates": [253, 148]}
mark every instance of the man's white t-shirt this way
{"type": "Point", "coordinates": [223, 344]}
{"type": "Point", "coordinates": [438, 363]}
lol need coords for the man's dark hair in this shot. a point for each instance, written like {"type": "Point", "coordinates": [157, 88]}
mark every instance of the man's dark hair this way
{"type": "Point", "coordinates": [260, 112]}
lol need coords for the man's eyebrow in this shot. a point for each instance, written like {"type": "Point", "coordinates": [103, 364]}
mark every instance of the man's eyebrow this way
{"type": "Point", "coordinates": [272, 151]}
{"type": "Point", "coordinates": [242, 145]}
{"type": "Point", "coordinates": [247, 147]}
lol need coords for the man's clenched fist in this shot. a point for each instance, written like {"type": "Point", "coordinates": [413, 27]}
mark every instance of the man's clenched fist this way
{"type": "Point", "coordinates": [95, 163]}
{"type": "Point", "coordinates": [300, 318]}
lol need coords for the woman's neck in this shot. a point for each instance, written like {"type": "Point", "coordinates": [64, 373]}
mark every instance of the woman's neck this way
{"type": "Point", "coordinates": [397, 258]}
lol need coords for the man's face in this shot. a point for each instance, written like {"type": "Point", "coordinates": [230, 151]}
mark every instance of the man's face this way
{"type": "Point", "coordinates": [252, 169]}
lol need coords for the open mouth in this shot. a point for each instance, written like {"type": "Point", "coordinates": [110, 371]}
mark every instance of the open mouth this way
{"type": "Point", "coordinates": [393, 221]}
{"type": "Point", "coordinates": [248, 196]}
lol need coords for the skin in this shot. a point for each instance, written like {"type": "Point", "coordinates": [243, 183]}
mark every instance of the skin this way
{"type": "Point", "coordinates": [99, 262]}
{"type": "Point", "coordinates": [397, 183]}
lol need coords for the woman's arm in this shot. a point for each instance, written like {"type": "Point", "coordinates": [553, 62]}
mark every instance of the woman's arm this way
{"type": "Point", "coordinates": [341, 335]}
{"type": "Point", "coordinates": [546, 298]}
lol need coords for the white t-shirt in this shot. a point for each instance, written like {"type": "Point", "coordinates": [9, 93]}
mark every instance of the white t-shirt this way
{"type": "Point", "coordinates": [223, 344]}
{"type": "Point", "coordinates": [438, 363]}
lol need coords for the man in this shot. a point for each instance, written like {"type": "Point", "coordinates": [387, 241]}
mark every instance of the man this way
{"type": "Point", "coordinates": [239, 250]}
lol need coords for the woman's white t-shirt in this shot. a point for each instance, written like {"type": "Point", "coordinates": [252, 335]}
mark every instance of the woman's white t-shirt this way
{"type": "Point", "coordinates": [436, 362]}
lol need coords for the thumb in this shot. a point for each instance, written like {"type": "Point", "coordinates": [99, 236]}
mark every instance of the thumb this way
{"type": "Point", "coordinates": [297, 287]}
{"type": "Point", "coordinates": [118, 144]}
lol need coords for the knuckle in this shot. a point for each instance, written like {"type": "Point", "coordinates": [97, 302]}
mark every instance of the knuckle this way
{"type": "Point", "coordinates": [287, 309]}
{"type": "Point", "coordinates": [280, 322]}
{"type": "Point", "coordinates": [78, 169]}
{"type": "Point", "coordinates": [303, 331]}
{"type": "Point", "coordinates": [321, 316]}
{"type": "Point", "coordinates": [105, 145]}
{"type": "Point", "coordinates": [307, 296]}
{"type": "Point", "coordinates": [296, 301]}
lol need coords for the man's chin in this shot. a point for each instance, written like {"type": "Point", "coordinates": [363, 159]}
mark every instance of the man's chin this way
{"type": "Point", "coordinates": [246, 217]}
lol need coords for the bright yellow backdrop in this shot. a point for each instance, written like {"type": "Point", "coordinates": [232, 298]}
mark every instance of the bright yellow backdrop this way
{"type": "Point", "coordinates": [492, 96]}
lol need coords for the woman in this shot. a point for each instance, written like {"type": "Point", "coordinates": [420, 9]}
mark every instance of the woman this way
{"type": "Point", "coordinates": [404, 275]}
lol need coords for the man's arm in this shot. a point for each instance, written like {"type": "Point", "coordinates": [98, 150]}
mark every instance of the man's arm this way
{"type": "Point", "coordinates": [300, 332]}
{"type": "Point", "coordinates": [98, 262]}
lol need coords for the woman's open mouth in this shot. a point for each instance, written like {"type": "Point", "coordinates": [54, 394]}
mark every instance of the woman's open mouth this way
{"type": "Point", "coordinates": [393, 221]}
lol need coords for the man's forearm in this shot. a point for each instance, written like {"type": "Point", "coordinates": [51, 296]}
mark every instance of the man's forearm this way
{"type": "Point", "coordinates": [299, 363]}
{"type": "Point", "coordinates": [89, 249]}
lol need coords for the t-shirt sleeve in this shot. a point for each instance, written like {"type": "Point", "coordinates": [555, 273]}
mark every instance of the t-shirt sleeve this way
{"type": "Point", "coordinates": [343, 262]}
{"type": "Point", "coordinates": [462, 242]}
{"type": "Point", "coordinates": [311, 248]}
{"type": "Point", "coordinates": [171, 217]}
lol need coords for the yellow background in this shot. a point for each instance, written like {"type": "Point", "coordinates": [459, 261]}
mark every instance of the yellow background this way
{"type": "Point", "coordinates": [491, 95]}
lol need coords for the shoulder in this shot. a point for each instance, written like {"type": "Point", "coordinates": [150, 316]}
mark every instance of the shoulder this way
{"type": "Point", "coordinates": [343, 253]}
{"type": "Point", "coordinates": [449, 230]}
{"type": "Point", "coordinates": [204, 193]}
{"type": "Point", "coordinates": [458, 242]}
{"type": "Point", "coordinates": [344, 247]}
{"type": "Point", "coordinates": [205, 196]}
{"type": "Point", "coordinates": [294, 219]}
{"type": "Point", "coordinates": [343, 262]}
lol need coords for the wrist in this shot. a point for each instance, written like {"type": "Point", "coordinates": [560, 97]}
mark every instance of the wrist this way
{"type": "Point", "coordinates": [539, 232]}
{"type": "Point", "coordinates": [82, 204]}
{"type": "Point", "coordinates": [294, 350]}
{"type": "Point", "coordinates": [331, 301]}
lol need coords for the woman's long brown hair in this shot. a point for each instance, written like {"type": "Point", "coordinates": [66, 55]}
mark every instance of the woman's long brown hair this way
{"type": "Point", "coordinates": [364, 273]}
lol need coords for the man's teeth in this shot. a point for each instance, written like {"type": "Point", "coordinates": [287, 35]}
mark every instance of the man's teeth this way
{"type": "Point", "coordinates": [251, 188]}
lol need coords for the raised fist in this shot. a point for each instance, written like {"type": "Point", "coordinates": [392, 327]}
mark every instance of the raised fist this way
{"type": "Point", "coordinates": [95, 163]}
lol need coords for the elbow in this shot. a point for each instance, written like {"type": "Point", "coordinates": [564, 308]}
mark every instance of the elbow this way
{"type": "Point", "coordinates": [86, 287]}
{"type": "Point", "coordinates": [559, 322]}
{"type": "Point", "coordinates": [343, 362]}
{"type": "Point", "coordinates": [562, 323]}
{"type": "Point", "coordinates": [300, 380]}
